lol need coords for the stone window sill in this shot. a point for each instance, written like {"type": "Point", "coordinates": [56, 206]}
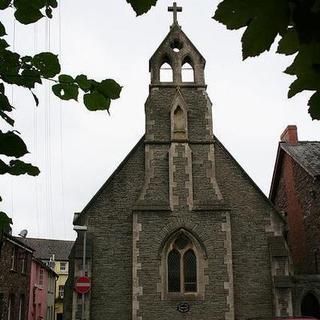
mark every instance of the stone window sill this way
{"type": "Point", "coordinates": [183, 296]}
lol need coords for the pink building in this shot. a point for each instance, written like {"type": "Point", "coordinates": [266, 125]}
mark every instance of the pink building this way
{"type": "Point", "coordinates": [42, 290]}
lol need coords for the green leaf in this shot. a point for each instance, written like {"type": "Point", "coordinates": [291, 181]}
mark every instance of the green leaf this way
{"type": "Point", "coordinates": [109, 88]}
{"type": "Point", "coordinates": [27, 15]}
{"type": "Point", "coordinates": [64, 78]}
{"type": "Point", "coordinates": [12, 145]}
{"type": "Point", "coordinates": [3, 44]}
{"type": "Point", "coordinates": [53, 3]}
{"type": "Point", "coordinates": [289, 43]}
{"type": "Point", "coordinates": [30, 77]}
{"type": "Point", "coordinates": [309, 81]}
{"type": "Point", "coordinates": [18, 167]}
{"type": "Point", "coordinates": [4, 4]}
{"type": "Point", "coordinates": [1, 88]}
{"type": "Point", "coordinates": [5, 222]}
{"type": "Point", "coordinates": [66, 91]}
{"type": "Point", "coordinates": [262, 30]}
{"type": "Point", "coordinates": [6, 118]}
{"type": "Point", "coordinates": [36, 100]}
{"type": "Point", "coordinates": [2, 30]}
{"type": "Point", "coordinates": [4, 103]}
{"type": "Point", "coordinates": [49, 12]}
{"type": "Point", "coordinates": [47, 63]}
{"type": "Point", "coordinates": [235, 14]}
{"type": "Point", "coordinates": [83, 82]}
{"type": "Point", "coordinates": [308, 56]}
{"type": "Point", "coordinates": [314, 106]}
{"type": "Point", "coordinates": [96, 101]}
{"type": "Point", "coordinates": [142, 6]}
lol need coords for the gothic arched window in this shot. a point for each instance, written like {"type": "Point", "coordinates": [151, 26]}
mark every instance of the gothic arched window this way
{"type": "Point", "coordinates": [182, 266]}
{"type": "Point", "coordinates": [183, 263]}
{"type": "Point", "coordinates": [166, 73]}
{"type": "Point", "coordinates": [187, 71]}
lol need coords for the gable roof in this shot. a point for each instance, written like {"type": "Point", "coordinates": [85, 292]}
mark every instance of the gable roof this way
{"type": "Point", "coordinates": [171, 34]}
{"type": "Point", "coordinates": [305, 153]}
{"type": "Point", "coordinates": [45, 248]}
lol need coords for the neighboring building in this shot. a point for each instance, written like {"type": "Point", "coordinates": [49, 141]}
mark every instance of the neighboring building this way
{"type": "Point", "coordinates": [54, 253]}
{"type": "Point", "coordinates": [42, 291]}
{"type": "Point", "coordinates": [179, 230]}
{"type": "Point", "coordinates": [295, 191]}
{"type": "Point", "coordinates": [15, 266]}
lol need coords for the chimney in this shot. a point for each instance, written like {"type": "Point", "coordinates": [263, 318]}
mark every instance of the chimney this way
{"type": "Point", "coordinates": [290, 135]}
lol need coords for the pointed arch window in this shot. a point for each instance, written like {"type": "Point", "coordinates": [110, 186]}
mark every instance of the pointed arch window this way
{"type": "Point", "coordinates": [166, 73]}
{"type": "Point", "coordinates": [187, 71]}
{"type": "Point", "coordinates": [182, 266]}
{"type": "Point", "coordinates": [179, 124]}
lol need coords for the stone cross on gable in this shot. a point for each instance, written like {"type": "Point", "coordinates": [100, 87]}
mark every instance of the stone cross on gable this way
{"type": "Point", "coordinates": [175, 9]}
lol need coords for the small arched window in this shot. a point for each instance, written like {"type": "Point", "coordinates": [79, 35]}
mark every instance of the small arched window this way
{"type": "Point", "coordinates": [187, 71]}
{"type": "Point", "coordinates": [182, 266]}
{"type": "Point", "coordinates": [166, 73]}
{"type": "Point", "coordinates": [179, 124]}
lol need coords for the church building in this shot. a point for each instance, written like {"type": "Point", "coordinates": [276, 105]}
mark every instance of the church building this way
{"type": "Point", "coordinates": [179, 230]}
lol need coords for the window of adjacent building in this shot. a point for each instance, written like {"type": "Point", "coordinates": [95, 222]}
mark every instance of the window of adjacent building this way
{"type": "Point", "coordinates": [11, 307]}
{"type": "Point", "coordinates": [61, 292]}
{"type": "Point", "coordinates": [41, 275]}
{"type": "Point", "coordinates": [182, 266]}
{"type": "Point", "coordinates": [23, 262]}
{"type": "Point", "coordinates": [166, 73]}
{"type": "Point", "coordinates": [13, 262]}
{"type": "Point", "coordinates": [21, 307]}
{"type": "Point", "coordinates": [63, 266]}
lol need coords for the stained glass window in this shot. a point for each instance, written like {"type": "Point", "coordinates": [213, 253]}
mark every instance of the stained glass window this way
{"type": "Point", "coordinates": [190, 271]}
{"type": "Point", "coordinates": [174, 271]}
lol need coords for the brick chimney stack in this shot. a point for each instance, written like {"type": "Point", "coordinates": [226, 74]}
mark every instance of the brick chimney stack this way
{"type": "Point", "coordinates": [290, 135]}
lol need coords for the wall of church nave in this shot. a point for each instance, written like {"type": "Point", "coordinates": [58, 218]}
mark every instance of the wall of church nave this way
{"type": "Point", "coordinates": [207, 230]}
{"type": "Point", "coordinates": [251, 214]}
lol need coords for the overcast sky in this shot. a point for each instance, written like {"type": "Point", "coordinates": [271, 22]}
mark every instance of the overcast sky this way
{"type": "Point", "coordinates": [77, 150]}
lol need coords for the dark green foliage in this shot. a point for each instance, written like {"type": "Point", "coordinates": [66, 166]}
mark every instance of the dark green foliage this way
{"type": "Point", "coordinates": [97, 95]}
{"type": "Point", "coordinates": [18, 167]}
{"type": "Point", "coordinates": [12, 145]}
{"type": "Point", "coordinates": [297, 22]}
{"type": "Point", "coordinates": [142, 6]}
{"type": "Point", "coordinates": [5, 222]}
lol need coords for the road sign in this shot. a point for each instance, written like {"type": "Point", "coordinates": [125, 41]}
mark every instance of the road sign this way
{"type": "Point", "coordinates": [82, 285]}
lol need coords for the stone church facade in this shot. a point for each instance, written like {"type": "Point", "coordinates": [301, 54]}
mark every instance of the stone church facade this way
{"type": "Point", "coordinates": [179, 230]}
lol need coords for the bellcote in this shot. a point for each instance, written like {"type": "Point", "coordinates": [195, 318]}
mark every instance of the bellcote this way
{"type": "Point", "coordinates": [177, 62]}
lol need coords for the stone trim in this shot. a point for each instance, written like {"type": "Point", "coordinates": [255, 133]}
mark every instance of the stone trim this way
{"type": "Point", "coordinates": [136, 266]}
{"type": "Point", "coordinates": [149, 170]}
{"type": "Point", "coordinates": [173, 154]}
{"type": "Point", "coordinates": [228, 285]}
{"type": "Point", "coordinates": [211, 172]}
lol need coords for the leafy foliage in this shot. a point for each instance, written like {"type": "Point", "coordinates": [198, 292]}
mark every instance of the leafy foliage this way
{"type": "Point", "coordinates": [5, 222]}
{"type": "Point", "coordinates": [29, 71]}
{"type": "Point", "coordinates": [142, 6]}
{"type": "Point", "coordinates": [297, 22]}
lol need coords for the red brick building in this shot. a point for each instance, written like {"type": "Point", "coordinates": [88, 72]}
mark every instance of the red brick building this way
{"type": "Point", "coordinates": [15, 264]}
{"type": "Point", "coordinates": [295, 191]}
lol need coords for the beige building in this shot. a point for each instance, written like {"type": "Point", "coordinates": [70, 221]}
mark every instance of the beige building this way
{"type": "Point", "coordinates": [55, 253]}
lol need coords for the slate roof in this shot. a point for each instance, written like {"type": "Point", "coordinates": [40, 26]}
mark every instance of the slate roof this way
{"type": "Point", "coordinates": [45, 248]}
{"type": "Point", "coordinates": [306, 154]}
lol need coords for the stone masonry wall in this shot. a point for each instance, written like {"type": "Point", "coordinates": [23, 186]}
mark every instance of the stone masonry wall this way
{"type": "Point", "coordinates": [12, 281]}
